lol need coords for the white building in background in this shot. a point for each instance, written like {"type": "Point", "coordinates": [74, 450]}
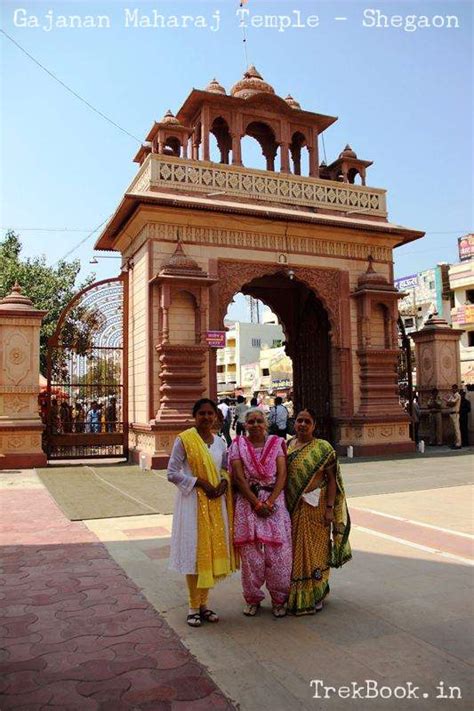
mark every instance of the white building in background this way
{"type": "Point", "coordinates": [461, 278]}
{"type": "Point", "coordinates": [244, 341]}
{"type": "Point", "coordinates": [427, 292]}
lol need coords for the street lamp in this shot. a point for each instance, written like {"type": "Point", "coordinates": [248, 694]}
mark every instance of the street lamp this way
{"type": "Point", "coordinates": [95, 258]}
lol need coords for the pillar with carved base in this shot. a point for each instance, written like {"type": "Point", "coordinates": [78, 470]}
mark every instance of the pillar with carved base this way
{"type": "Point", "coordinates": [20, 424]}
{"type": "Point", "coordinates": [380, 426]}
{"type": "Point", "coordinates": [182, 290]}
{"type": "Point", "coordinates": [438, 366]}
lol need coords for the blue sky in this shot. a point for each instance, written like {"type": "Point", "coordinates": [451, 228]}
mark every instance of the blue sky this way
{"type": "Point", "coordinates": [404, 100]}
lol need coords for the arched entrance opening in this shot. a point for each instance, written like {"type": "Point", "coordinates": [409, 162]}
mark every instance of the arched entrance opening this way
{"type": "Point", "coordinates": [306, 340]}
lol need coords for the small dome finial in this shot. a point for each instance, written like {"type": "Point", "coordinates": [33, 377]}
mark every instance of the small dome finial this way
{"type": "Point", "coordinates": [215, 88]}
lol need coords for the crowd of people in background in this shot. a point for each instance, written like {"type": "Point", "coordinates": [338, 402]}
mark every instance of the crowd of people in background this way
{"type": "Point", "coordinates": [456, 405]}
{"type": "Point", "coordinates": [280, 416]}
{"type": "Point", "coordinates": [80, 417]}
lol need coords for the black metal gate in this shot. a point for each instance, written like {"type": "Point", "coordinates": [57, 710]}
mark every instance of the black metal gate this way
{"type": "Point", "coordinates": [85, 402]}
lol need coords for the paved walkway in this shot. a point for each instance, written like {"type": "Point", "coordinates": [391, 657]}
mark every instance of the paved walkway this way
{"type": "Point", "coordinates": [76, 631]}
{"type": "Point", "coordinates": [79, 634]}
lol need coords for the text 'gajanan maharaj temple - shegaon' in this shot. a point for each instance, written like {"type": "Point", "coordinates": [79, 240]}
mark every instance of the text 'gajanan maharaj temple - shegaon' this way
{"type": "Point", "coordinates": [317, 248]}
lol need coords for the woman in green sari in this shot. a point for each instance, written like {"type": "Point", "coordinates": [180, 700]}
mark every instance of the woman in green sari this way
{"type": "Point", "coordinates": [317, 505]}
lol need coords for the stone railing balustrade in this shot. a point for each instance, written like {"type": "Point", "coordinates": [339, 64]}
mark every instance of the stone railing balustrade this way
{"type": "Point", "coordinates": [232, 181]}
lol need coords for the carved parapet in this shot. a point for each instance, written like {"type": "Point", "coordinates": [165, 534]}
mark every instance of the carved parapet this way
{"type": "Point", "coordinates": [178, 174]}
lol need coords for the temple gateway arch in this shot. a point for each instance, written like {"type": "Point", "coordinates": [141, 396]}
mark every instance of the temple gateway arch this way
{"type": "Point", "coordinates": [196, 226]}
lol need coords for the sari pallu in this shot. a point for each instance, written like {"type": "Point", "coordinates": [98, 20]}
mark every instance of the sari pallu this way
{"type": "Point", "coordinates": [215, 557]}
{"type": "Point", "coordinates": [260, 469]}
{"type": "Point", "coordinates": [314, 551]}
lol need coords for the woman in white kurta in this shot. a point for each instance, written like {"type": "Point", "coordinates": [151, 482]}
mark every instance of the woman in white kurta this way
{"type": "Point", "coordinates": [201, 539]}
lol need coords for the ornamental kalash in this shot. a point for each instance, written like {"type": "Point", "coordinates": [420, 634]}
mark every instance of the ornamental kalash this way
{"type": "Point", "coordinates": [196, 226]}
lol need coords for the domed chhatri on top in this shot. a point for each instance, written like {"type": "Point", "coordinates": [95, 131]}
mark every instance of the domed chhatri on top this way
{"type": "Point", "coordinates": [287, 134]}
{"type": "Point", "coordinates": [372, 279]}
{"type": "Point", "coordinates": [348, 153]}
{"type": "Point", "coordinates": [292, 102]}
{"type": "Point", "coordinates": [252, 84]}
{"type": "Point", "coordinates": [215, 88]}
{"type": "Point", "coordinates": [170, 118]}
{"type": "Point", "coordinates": [179, 264]}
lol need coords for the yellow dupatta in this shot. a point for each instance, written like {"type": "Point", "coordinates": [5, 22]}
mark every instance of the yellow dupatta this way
{"type": "Point", "coordinates": [215, 557]}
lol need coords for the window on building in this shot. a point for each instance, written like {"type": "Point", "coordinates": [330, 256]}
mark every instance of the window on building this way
{"type": "Point", "coordinates": [470, 296]}
{"type": "Point", "coordinates": [431, 285]}
{"type": "Point", "coordinates": [277, 343]}
{"type": "Point", "coordinates": [470, 339]}
{"type": "Point", "coordinates": [256, 342]}
{"type": "Point", "coordinates": [265, 371]}
{"type": "Point", "coordinates": [409, 322]}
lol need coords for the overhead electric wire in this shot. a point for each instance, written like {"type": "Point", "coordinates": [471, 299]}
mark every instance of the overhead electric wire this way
{"type": "Point", "coordinates": [46, 229]}
{"type": "Point", "coordinates": [68, 88]}
{"type": "Point", "coordinates": [73, 249]}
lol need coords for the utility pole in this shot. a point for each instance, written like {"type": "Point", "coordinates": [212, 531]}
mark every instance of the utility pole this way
{"type": "Point", "coordinates": [254, 308]}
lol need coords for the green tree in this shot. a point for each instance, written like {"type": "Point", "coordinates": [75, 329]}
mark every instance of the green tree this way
{"type": "Point", "coordinates": [102, 379]}
{"type": "Point", "coordinates": [50, 289]}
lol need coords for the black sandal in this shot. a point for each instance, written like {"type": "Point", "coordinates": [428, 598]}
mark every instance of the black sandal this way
{"type": "Point", "coordinates": [194, 620]}
{"type": "Point", "coordinates": [207, 614]}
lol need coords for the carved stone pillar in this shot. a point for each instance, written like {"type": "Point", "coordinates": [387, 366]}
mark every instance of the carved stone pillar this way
{"type": "Point", "coordinates": [205, 133]}
{"type": "Point", "coordinates": [183, 356]}
{"type": "Point", "coordinates": [438, 365]}
{"type": "Point", "coordinates": [236, 150]}
{"type": "Point", "coordinates": [313, 162]}
{"type": "Point", "coordinates": [181, 374]}
{"type": "Point", "coordinates": [20, 424]}
{"type": "Point", "coordinates": [380, 425]}
{"type": "Point", "coordinates": [285, 158]}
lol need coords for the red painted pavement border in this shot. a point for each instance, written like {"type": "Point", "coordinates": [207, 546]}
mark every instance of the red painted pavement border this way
{"type": "Point", "coordinates": [440, 540]}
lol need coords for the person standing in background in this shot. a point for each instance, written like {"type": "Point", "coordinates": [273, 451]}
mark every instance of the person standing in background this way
{"type": "Point", "coordinates": [434, 405]}
{"type": "Point", "coordinates": [278, 418]}
{"type": "Point", "coordinates": [454, 404]}
{"type": "Point", "coordinates": [464, 411]}
{"type": "Point", "coordinates": [239, 415]}
{"type": "Point", "coordinates": [415, 418]}
{"type": "Point", "coordinates": [224, 408]}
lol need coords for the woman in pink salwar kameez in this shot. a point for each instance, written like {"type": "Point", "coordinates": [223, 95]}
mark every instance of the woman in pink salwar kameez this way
{"type": "Point", "coordinates": [262, 528]}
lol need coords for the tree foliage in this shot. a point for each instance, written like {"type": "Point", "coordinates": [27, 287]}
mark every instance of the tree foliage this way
{"type": "Point", "coordinates": [102, 379]}
{"type": "Point", "coordinates": [50, 289]}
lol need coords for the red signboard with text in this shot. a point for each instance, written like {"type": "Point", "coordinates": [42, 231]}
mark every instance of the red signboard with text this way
{"type": "Point", "coordinates": [215, 339]}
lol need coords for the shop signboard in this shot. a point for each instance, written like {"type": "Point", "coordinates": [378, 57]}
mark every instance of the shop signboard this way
{"type": "Point", "coordinates": [466, 247]}
{"type": "Point", "coordinates": [215, 339]}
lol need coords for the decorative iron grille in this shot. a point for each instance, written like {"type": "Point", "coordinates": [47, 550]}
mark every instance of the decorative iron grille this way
{"type": "Point", "coordinates": [85, 402]}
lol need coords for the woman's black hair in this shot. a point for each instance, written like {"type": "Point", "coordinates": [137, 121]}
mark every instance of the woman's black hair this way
{"type": "Point", "coordinates": [310, 412]}
{"type": "Point", "coordinates": [203, 401]}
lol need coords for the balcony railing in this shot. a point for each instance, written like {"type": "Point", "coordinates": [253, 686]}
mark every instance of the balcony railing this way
{"type": "Point", "coordinates": [229, 354]}
{"type": "Point", "coordinates": [191, 176]}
